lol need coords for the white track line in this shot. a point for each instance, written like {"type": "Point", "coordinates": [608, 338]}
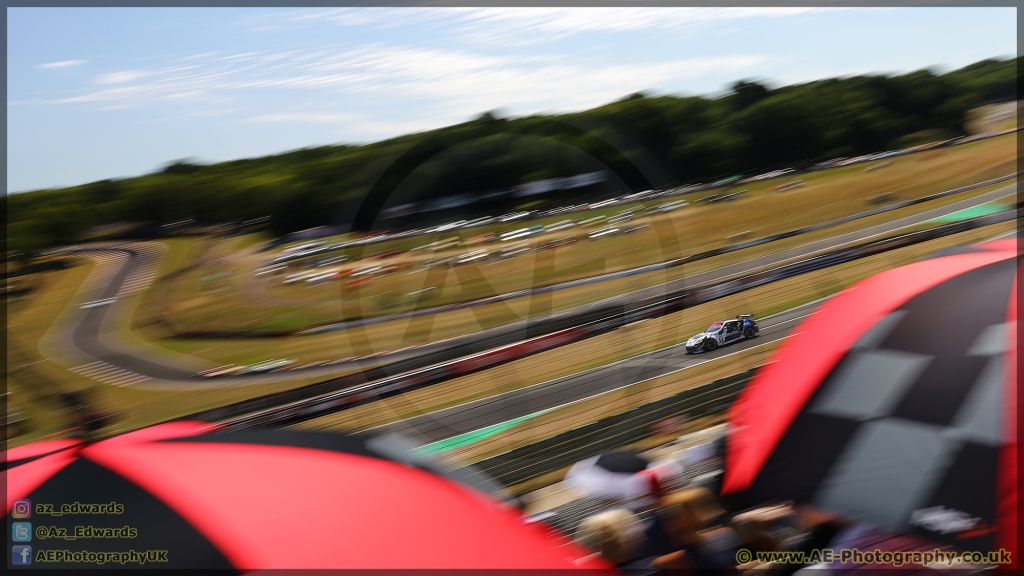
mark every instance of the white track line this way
{"type": "Point", "coordinates": [109, 374]}
{"type": "Point", "coordinates": [623, 361]}
{"type": "Point", "coordinates": [150, 256]}
{"type": "Point", "coordinates": [599, 394]}
{"type": "Point", "coordinates": [106, 266]}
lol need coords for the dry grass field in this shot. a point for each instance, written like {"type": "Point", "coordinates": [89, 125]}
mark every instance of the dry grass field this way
{"type": "Point", "coordinates": [638, 338]}
{"type": "Point", "coordinates": [228, 295]}
{"type": "Point", "coordinates": [140, 407]}
{"type": "Point", "coordinates": [400, 333]}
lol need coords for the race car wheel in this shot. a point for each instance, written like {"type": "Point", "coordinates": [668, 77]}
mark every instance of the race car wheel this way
{"type": "Point", "coordinates": [710, 345]}
{"type": "Point", "coordinates": [749, 332]}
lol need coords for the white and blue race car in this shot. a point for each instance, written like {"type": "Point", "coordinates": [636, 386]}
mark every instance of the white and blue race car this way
{"type": "Point", "coordinates": [722, 333]}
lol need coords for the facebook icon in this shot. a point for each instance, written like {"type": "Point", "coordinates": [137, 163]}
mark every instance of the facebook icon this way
{"type": "Point", "coordinates": [21, 555]}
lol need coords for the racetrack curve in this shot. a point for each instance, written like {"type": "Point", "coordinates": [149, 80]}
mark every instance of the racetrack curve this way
{"type": "Point", "coordinates": [86, 333]}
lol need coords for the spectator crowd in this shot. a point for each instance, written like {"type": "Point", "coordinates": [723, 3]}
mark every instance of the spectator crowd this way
{"type": "Point", "coordinates": [681, 525]}
{"type": "Point", "coordinates": [689, 530]}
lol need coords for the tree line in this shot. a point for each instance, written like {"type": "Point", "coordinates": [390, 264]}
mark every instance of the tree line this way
{"type": "Point", "coordinates": [674, 139]}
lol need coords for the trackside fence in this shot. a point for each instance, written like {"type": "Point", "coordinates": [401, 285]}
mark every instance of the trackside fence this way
{"type": "Point", "coordinates": [341, 393]}
{"type": "Point", "coordinates": [564, 449]}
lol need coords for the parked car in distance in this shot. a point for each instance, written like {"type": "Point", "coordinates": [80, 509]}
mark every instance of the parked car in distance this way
{"type": "Point", "coordinates": [480, 221]}
{"type": "Point", "coordinates": [470, 257]}
{"type": "Point", "coordinates": [634, 228]}
{"type": "Point", "coordinates": [608, 231]}
{"type": "Point", "coordinates": [421, 294]}
{"type": "Point", "coordinates": [365, 270]}
{"type": "Point", "coordinates": [220, 371]}
{"type": "Point", "coordinates": [512, 235]}
{"type": "Point", "coordinates": [270, 269]}
{"type": "Point", "coordinates": [322, 276]}
{"type": "Point", "coordinates": [482, 239]}
{"type": "Point", "coordinates": [596, 220]}
{"type": "Point", "coordinates": [513, 216]}
{"type": "Point", "coordinates": [564, 224]}
{"type": "Point", "coordinates": [428, 264]}
{"type": "Point", "coordinates": [212, 370]}
{"type": "Point", "coordinates": [558, 242]}
{"type": "Point", "coordinates": [357, 282]}
{"type": "Point", "coordinates": [392, 268]}
{"type": "Point", "coordinates": [265, 366]}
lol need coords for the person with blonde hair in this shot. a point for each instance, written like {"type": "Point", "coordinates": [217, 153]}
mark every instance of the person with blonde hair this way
{"type": "Point", "coordinates": [685, 516]}
{"type": "Point", "coordinates": [616, 535]}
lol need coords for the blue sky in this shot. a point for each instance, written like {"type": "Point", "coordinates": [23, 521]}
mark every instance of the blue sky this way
{"type": "Point", "coordinates": [97, 93]}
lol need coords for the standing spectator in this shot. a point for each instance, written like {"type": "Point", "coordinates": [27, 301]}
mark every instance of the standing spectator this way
{"type": "Point", "coordinates": [617, 535]}
{"type": "Point", "coordinates": [724, 542]}
{"type": "Point", "coordinates": [762, 529]}
{"type": "Point", "coordinates": [817, 530]}
{"type": "Point", "coordinates": [656, 539]}
{"type": "Point", "coordinates": [684, 516]}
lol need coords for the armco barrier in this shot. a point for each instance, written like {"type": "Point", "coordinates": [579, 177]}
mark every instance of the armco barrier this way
{"type": "Point", "coordinates": [651, 267]}
{"type": "Point", "coordinates": [365, 390]}
{"type": "Point", "coordinates": [564, 449]}
{"type": "Point", "coordinates": [572, 284]}
{"type": "Point", "coordinates": [380, 382]}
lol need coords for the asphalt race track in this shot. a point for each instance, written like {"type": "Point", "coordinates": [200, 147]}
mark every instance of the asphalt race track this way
{"type": "Point", "coordinates": [86, 337]}
{"type": "Point", "coordinates": [471, 416]}
{"type": "Point", "coordinates": [711, 275]}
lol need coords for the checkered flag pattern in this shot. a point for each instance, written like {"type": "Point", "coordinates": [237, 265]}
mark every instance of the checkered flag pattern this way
{"type": "Point", "coordinates": [908, 428]}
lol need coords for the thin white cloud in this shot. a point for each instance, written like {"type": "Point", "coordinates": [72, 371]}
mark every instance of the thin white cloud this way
{"type": "Point", "coordinates": [552, 23]}
{"type": "Point", "coordinates": [121, 77]}
{"type": "Point", "coordinates": [513, 26]}
{"type": "Point", "coordinates": [61, 64]}
{"type": "Point", "coordinates": [244, 56]}
{"type": "Point", "coordinates": [436, 80]}
{"type": "Point", "coordinates": [196, 56]}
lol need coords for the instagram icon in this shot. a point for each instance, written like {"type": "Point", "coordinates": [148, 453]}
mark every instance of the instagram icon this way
{"type": "Point", "coordinates": [22, 509]}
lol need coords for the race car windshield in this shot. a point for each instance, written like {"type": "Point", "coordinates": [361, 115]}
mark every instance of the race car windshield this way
{"type": "Point", "coordinates": [715, 327]}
